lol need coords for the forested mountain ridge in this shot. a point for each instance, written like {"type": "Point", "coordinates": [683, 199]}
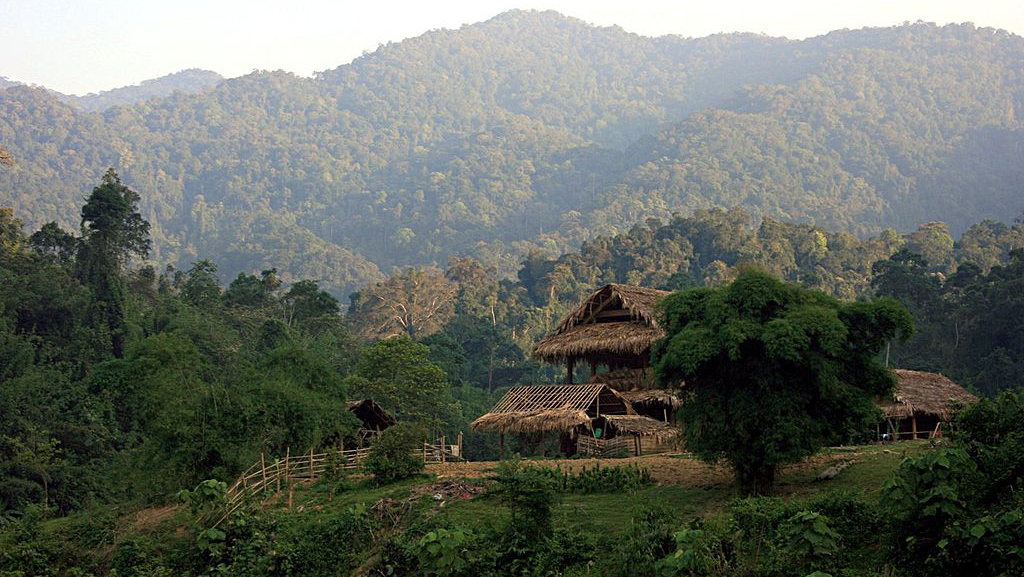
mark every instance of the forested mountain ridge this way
{"type": "Point", "coordinates": [532, 130]}
{"type": "Point", "coordinates": [189, 81]}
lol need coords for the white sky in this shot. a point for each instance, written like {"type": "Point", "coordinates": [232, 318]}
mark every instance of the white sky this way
{"type": "Point", "coordinates": [80, 46]}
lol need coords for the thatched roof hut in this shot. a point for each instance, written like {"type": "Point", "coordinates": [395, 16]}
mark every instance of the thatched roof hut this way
{"type": "Point", "coordinates": [615, 326]}
{"type": "Point", "coordinates": [372, 416]}
{"type": "Point", "coordinates": [920, 393]}
{"type": "Point", "coordinates": [544, 408]}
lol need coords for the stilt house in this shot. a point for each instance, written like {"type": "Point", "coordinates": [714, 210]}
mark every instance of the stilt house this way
{"type": "Point", "coordinates": [921, 403]}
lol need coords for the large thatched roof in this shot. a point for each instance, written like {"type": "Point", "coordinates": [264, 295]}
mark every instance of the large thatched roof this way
{"type": "Point", "coordinates": [925, 393]}
{"type": "Point", "coordinates": [617, 322]}
{"type": "Point", "coordinates": [551, 408]}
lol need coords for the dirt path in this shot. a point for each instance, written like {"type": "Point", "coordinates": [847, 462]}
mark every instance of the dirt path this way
{"type": "Point", "coordinates": [666, 469]}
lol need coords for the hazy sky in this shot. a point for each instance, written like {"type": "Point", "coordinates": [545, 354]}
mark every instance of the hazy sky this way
{"type": "Point", "coordinates": [79, 46]}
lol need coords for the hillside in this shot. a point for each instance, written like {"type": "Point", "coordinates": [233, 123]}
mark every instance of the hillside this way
{"type": "Point", "coordinates": [191, 81]}
{"type": "Point", "coordinates": [536, 131]}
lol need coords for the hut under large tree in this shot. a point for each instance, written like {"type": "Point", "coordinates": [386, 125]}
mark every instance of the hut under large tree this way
{"type": "Point", "coordinates": [593, 411]}
{"type": "Point", "coordinates": [921, 403]}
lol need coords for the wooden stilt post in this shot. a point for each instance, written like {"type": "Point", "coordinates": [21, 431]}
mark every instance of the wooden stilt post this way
{"type": "Point", "coordinates": [913, 425]}
{"type": "Point", "coordinates": [568, 371]}
{"type": "Point", "coordinates": [501, 446]}
{"type": "Point", "coordinates": [593, 369]}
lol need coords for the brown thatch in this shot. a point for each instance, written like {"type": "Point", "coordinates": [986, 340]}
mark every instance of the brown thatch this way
{"type": "Point", "coordinates": [925, 394]}
{"type": "Point", "coordinates": [637, 301]}
{"type": "Point", "coordinates": [642, 426]}
{"type": "Point", "coordinates": [615, 323]}
{"type": "Point", "coordinates": [372, 415]}
{"type": "Point", "coordinates": [551, 408]}
{"type": "Point", "coordinates": [626, 379]}
{"type": "Point", "coordinates": [642, 401]}
{"type": "Point", "coordinates": [621, 339]}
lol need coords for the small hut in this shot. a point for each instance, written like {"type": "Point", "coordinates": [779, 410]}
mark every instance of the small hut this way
{"type": "Point", "coordinates": [594, 412]}
{"type": "Point", "coordinates": [614, 327]}
{"type": "Point", "coordinates": [920, 403]}
{"type": "Point", "coordinates": [372, 417]}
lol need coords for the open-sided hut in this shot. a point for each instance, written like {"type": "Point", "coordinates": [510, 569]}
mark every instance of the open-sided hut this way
{"type": "Point", "coordinates": [614, 327]}
{"type": "Point", "coordinates": [372, 417]}
{"type": "Point", "coordinates": [592, 411]}
{"type": "Point", "coordinates": [921, 402]}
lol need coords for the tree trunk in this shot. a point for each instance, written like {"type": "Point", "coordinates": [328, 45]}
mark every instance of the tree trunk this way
{"type": "Point", "coordinates": [756, 481]}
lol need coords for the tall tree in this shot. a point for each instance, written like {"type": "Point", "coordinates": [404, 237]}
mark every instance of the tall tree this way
{"type": "Point", "coordinates": [113, 231]}
{"type": "Point", "coordinates": [773, 371]}
{"type": "Point", "coordinates": [415, 302]}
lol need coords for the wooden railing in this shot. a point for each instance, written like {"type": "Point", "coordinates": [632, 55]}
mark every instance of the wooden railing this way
{"type": "Point", "coordinates": [265, 475]}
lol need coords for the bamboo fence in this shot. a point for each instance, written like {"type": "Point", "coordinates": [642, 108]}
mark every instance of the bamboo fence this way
{"type": "Point", "coordinates": [269, 476]}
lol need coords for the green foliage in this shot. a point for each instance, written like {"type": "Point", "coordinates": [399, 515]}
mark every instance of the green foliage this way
{"type": "Point", "coordinates": [808, 535]}
{"type": "Point", "coordinates": [519, 123]}
{"type": "Point", "coordinates": [963, 318]}
{"type": "Point", "coordinates": [113, 231]}
{"type": "Point", "coordinates": [445, 552]}
{"type": "Point", "coordinates": [392, 455]}
{"type": "Point", "coordinates": [771, 368]}
{"type": "Point", "coordinates": [699, 551]}
{"type": "Point", "coordinates": [397, 374]}
{"type": "Point", "coordinates": [648, 539]}
{"type": "Point", "coordinates": [529, 493]}
{"type": "Point", "coordinates": [208, 496]}
{"type": "Point", "coordinates": [957, 510]}
{"type": "Point", "coordinates": [598, 479]}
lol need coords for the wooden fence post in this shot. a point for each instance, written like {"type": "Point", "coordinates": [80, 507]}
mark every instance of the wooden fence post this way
{"type": "Point", "coordinates": [287, 455]}
{"type": "Point", "coordinates": [263, 469]}
{"type": "Point", "coordinates": [443, 449]}
{"type": "Point", "coordinates": [312, 472]}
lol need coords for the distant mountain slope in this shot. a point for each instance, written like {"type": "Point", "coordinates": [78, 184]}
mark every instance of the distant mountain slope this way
{"type": "Point", "coordinates": [190, 81]}
{"type": "Point", "coordinates": [533, 130]}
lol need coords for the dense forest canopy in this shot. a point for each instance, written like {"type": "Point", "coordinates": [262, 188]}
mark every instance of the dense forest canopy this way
{"type": "Point", "coordinates": [535, 132]}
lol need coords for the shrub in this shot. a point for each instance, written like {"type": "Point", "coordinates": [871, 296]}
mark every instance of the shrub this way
{"type": "Point", "coordinates": [445, 552]}
{"type": "Point", "coordinates": [701, 549]}
{"type": "Point", "coordinates": [807, 535]}
{"type": "Point", "coordinates": [648, 539]}
{"type": "Point", "coordinates": [529, 493]}
{"type": "Point", "coordinates": [391, 456]}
